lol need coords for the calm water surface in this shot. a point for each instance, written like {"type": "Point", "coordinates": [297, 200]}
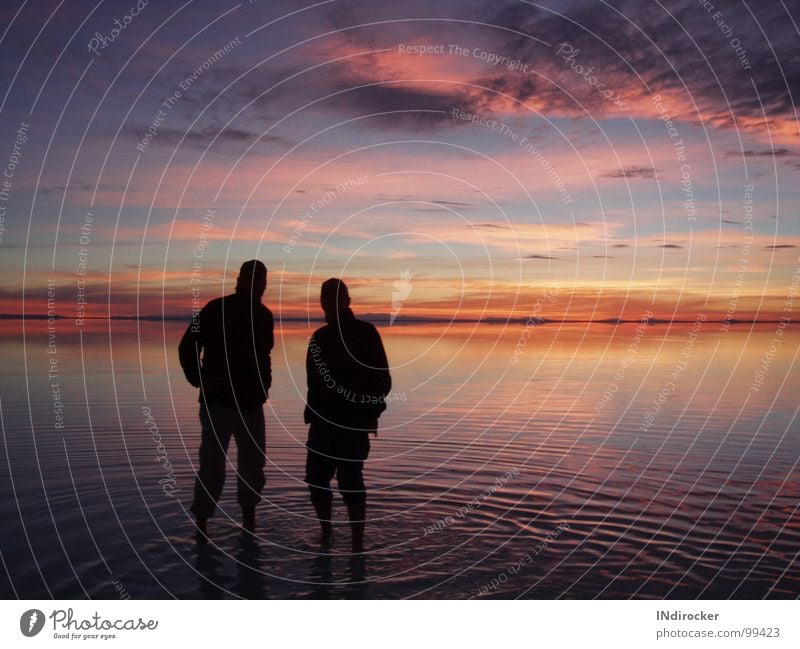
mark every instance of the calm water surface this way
{"type": "Point", "coordinates": [595, 466]}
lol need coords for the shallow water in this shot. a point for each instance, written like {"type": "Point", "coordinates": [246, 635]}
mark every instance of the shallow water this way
{"type": "Point", "coordinates": [488, 478]}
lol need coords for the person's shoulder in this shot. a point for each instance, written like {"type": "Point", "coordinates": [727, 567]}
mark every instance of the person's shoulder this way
{"type": "Point", "coordinates": [322, 332]}
{"type": "Point", "coordinates": [366, 327]}
{"type": "Point", "coordinates": [215, 304]}
{"type": "Point", "coordinates": [266, 318]}
{"type": "Point", "coordinates": [322, 336]}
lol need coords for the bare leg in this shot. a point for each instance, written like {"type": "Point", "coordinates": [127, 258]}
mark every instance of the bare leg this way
{"type": "Point", "coordinates": [358, 515]}
{"type": "Point", "coordinates": [324, 509]}
{"type": "Point", "coordinates": [201, 529]}
{"type": "Point", "coordinates": [249, 518]}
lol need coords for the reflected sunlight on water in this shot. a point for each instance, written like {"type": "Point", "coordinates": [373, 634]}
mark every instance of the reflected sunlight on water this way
{"type": "Point", "coordinates": [564, 474]}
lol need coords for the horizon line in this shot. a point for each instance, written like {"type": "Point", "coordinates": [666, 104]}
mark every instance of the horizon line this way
{"type": "Point", "coordinates": [379, 317]}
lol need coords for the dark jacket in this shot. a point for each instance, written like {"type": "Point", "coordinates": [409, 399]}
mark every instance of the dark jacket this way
{"type": "Point", "coordinates": [235, 336]}
{"type": "Point", "coordinates": [348, 374]}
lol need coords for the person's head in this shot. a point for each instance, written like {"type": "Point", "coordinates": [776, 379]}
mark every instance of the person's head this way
{"type": "Point", "coordinates": [334, 297]}
{"type": "Point", "coordinates": [252, 280]}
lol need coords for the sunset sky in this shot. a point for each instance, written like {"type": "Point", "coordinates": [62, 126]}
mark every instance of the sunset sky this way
{"type": "Point", "coordinates": [462, 143]}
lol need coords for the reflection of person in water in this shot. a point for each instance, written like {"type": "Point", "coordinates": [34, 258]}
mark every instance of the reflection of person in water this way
{"type": "Point", "coordinates": [234, 335]}
{"type": "Point", "coordinates": [348, 380]}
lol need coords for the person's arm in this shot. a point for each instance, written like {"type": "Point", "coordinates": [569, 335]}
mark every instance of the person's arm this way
{"type": "Point", "coordinates": [310, 383]}
{"type": "Point", "coordinates": [379, 381]}
{"type": "Point", "coordinates": [383, 379]}
{"type": "Point", "coordinates": [266, 339]}
{"type": "Point", "coordinates": [189, 351]}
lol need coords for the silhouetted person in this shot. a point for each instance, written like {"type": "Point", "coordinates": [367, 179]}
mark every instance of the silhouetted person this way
{"type": "Point", "coordinates": [225, 352]}
{"type": "Point", "coordinates": [348, 380]}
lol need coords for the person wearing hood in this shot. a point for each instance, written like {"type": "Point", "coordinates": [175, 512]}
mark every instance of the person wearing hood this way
{"type": "Point", "coordinates": [348, 380]}
{"type": "Point", "coordinates": [226, 353]}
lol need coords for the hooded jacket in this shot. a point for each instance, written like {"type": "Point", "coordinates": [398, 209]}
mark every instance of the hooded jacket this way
{"type": "Point", "coordinates": [347, 373]}
{"type": "Point", "coordinates": [226, 351]}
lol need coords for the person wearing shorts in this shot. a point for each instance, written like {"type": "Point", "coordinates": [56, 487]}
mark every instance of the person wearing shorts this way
{"type": "Point", "coordinates": [348, 380]}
